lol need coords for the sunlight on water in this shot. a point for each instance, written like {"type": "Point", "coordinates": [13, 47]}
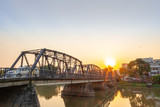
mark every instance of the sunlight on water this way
{"type": "Point", "coordinates": [120, 101]}
{"type": "Point", "coordinates": [50, 96]}
{"type": "Point", "coordinates": [54, 101]}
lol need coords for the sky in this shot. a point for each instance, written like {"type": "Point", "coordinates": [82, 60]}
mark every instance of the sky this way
{"type": "Point", "coordinates": [90, 30]}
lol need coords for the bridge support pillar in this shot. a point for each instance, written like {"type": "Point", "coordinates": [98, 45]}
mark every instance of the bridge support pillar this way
{"type": "Point", "coordinates": [83, 89]}
{"type": "Point", "coordinates": [111, 83]}
{"type": "Point", "coordinates": [100, 85]}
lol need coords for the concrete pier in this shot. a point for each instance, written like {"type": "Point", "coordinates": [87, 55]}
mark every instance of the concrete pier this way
{"type": "Point", "coordinates": [111, 83]}
{"type": "Point", "coordinates": [21, 96]}
{"type": "Point", "coordinates": [83, 89]}
{"type": "Point", "coordinates": [100, 85]}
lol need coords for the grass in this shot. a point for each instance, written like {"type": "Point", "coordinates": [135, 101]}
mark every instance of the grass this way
{"type": "Point", "coordinates": [124, 83]}
{"type": "Point", "coordinates": [156, 85]}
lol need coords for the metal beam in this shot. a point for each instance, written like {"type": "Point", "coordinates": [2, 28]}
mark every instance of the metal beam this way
{"type": "Point", "coordinates": [48, 62]}
{"type": "Point", "coordinates": [22, 61]}
{"type": "Point", "coordinates": [16, 60]}
{"type": "Point", "coordinates": [26, 60]}
{"type": "Point", "coordinates": [42, 62]}
{"type": "Point", "coordinates": [37, 59]}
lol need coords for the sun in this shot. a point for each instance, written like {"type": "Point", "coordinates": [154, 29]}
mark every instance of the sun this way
{"type": "Point", "coordinates": [110, 61]}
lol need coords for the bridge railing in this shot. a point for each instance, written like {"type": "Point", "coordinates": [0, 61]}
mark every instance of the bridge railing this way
{"type": "Point", "coordinates": [3, 71]}
{"type": "Point", "coordinates": [67, 75]}
{"type": "Point", "coordinates": [6, 73]}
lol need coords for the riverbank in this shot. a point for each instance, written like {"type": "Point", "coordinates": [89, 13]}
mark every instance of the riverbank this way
{"type": "Point", "coordinates": [124, 83]}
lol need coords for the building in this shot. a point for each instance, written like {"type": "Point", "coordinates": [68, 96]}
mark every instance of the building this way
{"type": "Point", "coordinates": [148, 60]}
{"type": "Point", "coordinates": [123, 70]}
{"type": "Point", "coordinates": [124, 65]}
{"type": "Point", "coordinates": [154, 65]}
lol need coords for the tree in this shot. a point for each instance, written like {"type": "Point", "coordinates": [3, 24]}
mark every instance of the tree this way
{"type": "Point", "coordinates": [156, 79]}
{"type": "Point", "coordinates": [138, 68]}
{"type": "Point", "coordinates": [123, 71]}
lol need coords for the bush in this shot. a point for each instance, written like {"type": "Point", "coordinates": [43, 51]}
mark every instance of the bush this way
{"type": "Point", "coordinates": [156, 79]}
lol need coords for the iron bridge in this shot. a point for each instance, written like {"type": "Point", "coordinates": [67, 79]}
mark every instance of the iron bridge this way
{"type": "Point", "coordinates": [51, 65]}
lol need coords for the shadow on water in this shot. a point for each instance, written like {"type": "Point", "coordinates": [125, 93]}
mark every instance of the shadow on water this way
{"type": "Point", "coordinates": [18, 97]}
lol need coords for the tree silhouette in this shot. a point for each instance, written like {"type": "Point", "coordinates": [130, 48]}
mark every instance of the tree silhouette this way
{"type": "Point", "coordinates": [138, 68]}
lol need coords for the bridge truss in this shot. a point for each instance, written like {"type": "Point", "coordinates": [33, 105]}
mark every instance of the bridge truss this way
{"type": "Point", "coordinates": [54, 64]}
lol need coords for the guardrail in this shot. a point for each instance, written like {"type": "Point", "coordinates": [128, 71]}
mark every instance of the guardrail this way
{"type": "Point", "coordinates": [6, 73]}
{"type": "Point", "coordinates": [3, 71]}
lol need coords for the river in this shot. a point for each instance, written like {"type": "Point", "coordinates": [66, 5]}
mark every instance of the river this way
{"type": "Point", "coordinates": [49, 96]}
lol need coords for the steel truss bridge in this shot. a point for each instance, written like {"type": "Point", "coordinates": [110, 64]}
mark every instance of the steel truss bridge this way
{"type": "Point", "coordinates": [52, 65]}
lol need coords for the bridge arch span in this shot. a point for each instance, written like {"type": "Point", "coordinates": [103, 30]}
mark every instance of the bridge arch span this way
{"type": "Point", "coordinates": [50, 62]}
{"type": "Point", "coordinates": [92, 71]}
{"type": "Point", "coordinates": [54, 64]}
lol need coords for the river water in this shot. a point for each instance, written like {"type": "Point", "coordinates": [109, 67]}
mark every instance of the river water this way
{"type": "Point", "coordinates": [49, 96]}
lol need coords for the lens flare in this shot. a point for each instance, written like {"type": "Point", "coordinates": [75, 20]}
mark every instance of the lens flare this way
{"type": "Point", "coordinates": [110, 61]}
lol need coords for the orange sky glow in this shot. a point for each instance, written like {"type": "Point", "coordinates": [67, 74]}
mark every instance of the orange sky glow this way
{"type": "Point", "coordinates": [91, 31]}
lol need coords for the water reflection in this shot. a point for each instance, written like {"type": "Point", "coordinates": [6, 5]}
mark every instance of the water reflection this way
{"type": "Point", "coordinates": [102, 98]}
{"type": "Point", "coordinates": [48, 91]}
{"type": "Point", "coordinates": [18, 97]}
{"type": "Point", "coordinates": [49, 96]}
{"type": "Point", "coordinates": [128, 96]}
{"type": "Point", "coordinates": [141, 97]}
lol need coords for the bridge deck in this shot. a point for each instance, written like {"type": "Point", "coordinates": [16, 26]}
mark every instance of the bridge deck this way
{"type": "Point", "coordinates": [37, 82]}
{"type": "Point", "coordinates": [45, 66]}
